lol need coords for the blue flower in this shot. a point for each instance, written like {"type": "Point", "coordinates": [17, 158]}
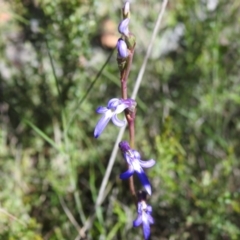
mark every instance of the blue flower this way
{"type": "Point", "coordinates": [123, 27]}
{"type": "Point", "coordinates": [144, 217]}
{"type": "Point", "coordinates": [122, 48]}
{"type": "Point", "coordinates": [135, 164]}
{"type": "Point", "coordinates": [114, 107]}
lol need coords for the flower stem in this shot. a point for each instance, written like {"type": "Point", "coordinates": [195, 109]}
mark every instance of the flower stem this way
{"type": "Point", "coordinates": [131, 127]}
{"type": "Point", "coordinates": [124, 85]}
{"type": "Point", "coordinates": [125, 74]}
{"type": "Point", "coordinates": [130, 117]}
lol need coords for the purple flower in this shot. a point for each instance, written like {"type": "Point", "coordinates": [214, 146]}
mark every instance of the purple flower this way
{"type": "Point", "coordinates": [144, 217]}
{"type": "Point", "coordinates": [114, 107]}
{"type": "Point", "coordinates": [123, 27]}
{"type": "Point", "coordinates": [135, 163]}
{"type": "Point", "coordinates": [122, 48]}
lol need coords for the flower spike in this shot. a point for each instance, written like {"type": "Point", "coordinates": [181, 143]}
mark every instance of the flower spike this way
{"type": "Point", "coordinates": [114, 107]}
{"type": "Point", "coordinates": [133, 158]}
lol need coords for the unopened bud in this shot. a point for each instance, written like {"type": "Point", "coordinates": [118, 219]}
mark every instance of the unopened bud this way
{"type": "Point", "coordinates": [123, 27]}
{"type": "Point", "coordinates": [122, 48]}
{"type": "Point", "coordinates": [126, 10]}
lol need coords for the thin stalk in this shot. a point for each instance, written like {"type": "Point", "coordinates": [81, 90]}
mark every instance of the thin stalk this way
{"type": "Point", "coordinates": [55, 75]}
{"type": "Point", "coordinates": [130, 119]}
{"type": "Point", "coordinates": [131, 130]}
{"type": "Point", "coordinates": [123, 85]}
{"type": "Point", "coordinates": [129, 63]}
{"type": "Point", "coordinates": [71, 171]}
{"type": "Point", "coordinates": [125, 74]}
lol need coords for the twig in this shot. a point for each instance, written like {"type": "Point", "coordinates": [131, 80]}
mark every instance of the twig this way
{"type": "Point", "coordinates": [71, 218]}
{"type": "Point", "coordinates": [12, 217]}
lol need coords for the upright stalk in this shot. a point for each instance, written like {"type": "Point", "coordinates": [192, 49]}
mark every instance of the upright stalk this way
{"type": "Point", "coordinates": [129, 115]}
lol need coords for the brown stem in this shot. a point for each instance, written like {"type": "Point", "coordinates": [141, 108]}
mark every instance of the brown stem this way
{"type": "Point", "coordinates": [129, 63]}
{"type": "Point", "coordinates": [130, 119]}
{"type": "Point", "coordinates": [125, 74]}
{"type": "Point", "coordinates": [124, 85]}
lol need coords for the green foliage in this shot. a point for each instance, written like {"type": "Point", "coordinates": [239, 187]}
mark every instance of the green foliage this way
{"type": "Point", "coordinates": [187, 119]}
{"type": "Point", "coordinates": [199, 200]}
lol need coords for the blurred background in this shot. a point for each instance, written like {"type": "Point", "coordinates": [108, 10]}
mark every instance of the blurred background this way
{"type": "Point", "coordinates": [188, 119]}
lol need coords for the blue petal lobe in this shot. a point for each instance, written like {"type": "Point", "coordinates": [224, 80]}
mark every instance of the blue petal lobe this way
{"type": "Point", "coordinates": [102, 123]}
{"type": "Point", "coordinates": [113, 103]}
{"type": "Point", "coordinates": [147, 164]}
{"type": "Point", "coordinates": [149, 209]}
{"type": "Point", "coordinates": [144, 180]}
{"type": "Point", "coordinates": [118, 122]}
{"type": "Point", "coordinates": [127, 174]}
{"type": "Point", "coordinates": [101, 110]}
{"type": "Point", "coordinates": [136, 154]}
{"type": "Point", "coordinates": [146, 230]}
{"type": "Point", "coordinates": [138, 221]}
{"type": "Point", "coordinates": [150, 219]}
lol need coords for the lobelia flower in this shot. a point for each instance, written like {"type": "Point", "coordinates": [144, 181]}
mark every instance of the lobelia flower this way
{"type": "Point", "coordinates": [114, 107]}
{"type": "Point", "coordinates": [135, 164]}
{"type": "Point", "coordinates": [122, 48]}
{"type": "Point", "coordinates": [123, 27]}
{"type": "Point", "coordinates": [144, 217]}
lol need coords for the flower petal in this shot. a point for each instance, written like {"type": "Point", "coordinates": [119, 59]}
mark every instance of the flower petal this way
{"type": "Point", "coordinates": [118, 122]}
{"type": "Point", "coordinates": [138, 221]}
{"type": "Point", "coordinates": [136, 154]}
{"type": "Point", "coordinates": [146, 230]}
{"type": "Point", "coordinates": [135, 163]}
{"type": "Point", "coordinates": [127, 174]}
{"type": "Point", "coordinates": [150, 219]}
{"type": "Point", "coordinates": [127, 157]}
{"type": "Point", "coordinates": [113, 103]}
{"type": "Point", "coordinates": [147, 164]}
{"type": "Point", "coordinates": [102, 123]}
{"type": "Point", "coordinates": [145, 182]}
{"type": "Point", "coordinates": [101, 110]}
{"type": "Point", "coordinates": [120, 108]}
{"type": "Point", "coordinates": [139, 208]}
{"type": "Point", "coordinates": [149, 209]}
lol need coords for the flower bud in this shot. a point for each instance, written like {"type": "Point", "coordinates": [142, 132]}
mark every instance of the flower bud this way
{"type": "Point", "coordinates": [126, 10]}
{"type": "Point", "coordinates": [122, 48]}
{"type": "Point", "coordinates": [123, 27]}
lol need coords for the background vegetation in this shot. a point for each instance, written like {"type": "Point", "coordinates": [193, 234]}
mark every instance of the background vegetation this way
{"type": "Point", "coordinates": [188, 119]}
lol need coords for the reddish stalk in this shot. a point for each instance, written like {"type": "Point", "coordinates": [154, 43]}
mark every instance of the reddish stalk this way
{"type": "Point", "coordinates": [129, 116]}
{"type": "Point", "coordinates": [131, 127]}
